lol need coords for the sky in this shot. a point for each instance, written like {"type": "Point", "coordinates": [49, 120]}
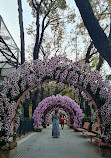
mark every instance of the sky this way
{"type": "Point", "coordinates": [9, 13]}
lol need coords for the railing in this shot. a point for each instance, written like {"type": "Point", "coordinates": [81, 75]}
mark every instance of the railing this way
{"type": "Point", "coordinates": [26, 126]}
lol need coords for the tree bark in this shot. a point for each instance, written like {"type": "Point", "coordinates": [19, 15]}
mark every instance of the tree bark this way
{"type": "Point", "coordinates": [34, 100]}
{"type": "Point", "coordinates": [87, 109]}
{"type": "Point", "coordinates": [26, 108]}
{"type": "Point", "coordinates": [88, 56]}
{"type": "Point", "coordinates": [81, 102]}
{"type": "Point", "coordinates": [21, 31]}
{"type": "Point", "coordinates": [36, 47]}
{"type": "Point", "coordinates": [101, 60]}
{"type": "Point", "coordinates": [100, 40]}
{"type": "Point", "coordinates": [42, 93]}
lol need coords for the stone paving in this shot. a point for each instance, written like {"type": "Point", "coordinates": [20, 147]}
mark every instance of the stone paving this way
{"type": "Point", "coordinates": [70, 145]}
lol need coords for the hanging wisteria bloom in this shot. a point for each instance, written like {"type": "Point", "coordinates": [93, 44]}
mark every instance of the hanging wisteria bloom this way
{"type": "Point", "coordinates": [63, 102]}
{"type": "Point", "coordinates": [59, 69]}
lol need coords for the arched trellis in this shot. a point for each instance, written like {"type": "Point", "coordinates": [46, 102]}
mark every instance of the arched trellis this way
{"type": "Point", "coordinates": [48, 116]}
{"type": "Point", "coordinates": [58, 101]}
{"type": "Point", "coordinates": [60, 69]}
{"type": "Point", "coordinates": [68, 111]}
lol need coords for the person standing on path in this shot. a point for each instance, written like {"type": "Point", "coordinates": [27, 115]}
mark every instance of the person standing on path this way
{"type": "Point", "coordinates": [55, 125]}
{"type": "Point", "coordinates": [62, 119]}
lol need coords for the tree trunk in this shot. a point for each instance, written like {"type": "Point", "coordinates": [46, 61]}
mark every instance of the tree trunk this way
{"type": "Point", "coordinates": [36, 51]}
{"type": "Point", "coordinates": [36, 47]}
{"type": "Point", "coordinates": [100, 40]}
{"type": "Point", "coordinates": [21, 31]}
{"type": "Point", "coordinates": [26, 108]}
{"type": "Point", "coordinates": [81, 102]}
{"type": "Point", "coordinates": [48, 92]}
{"type": "Point", "coordinates": [101, 60]}
{"type": "Point", "coordinates": [87, 109]}
{"type": "Point", "coordinates": [42, 93]}
{"type": "Point", "coordinates": [88, 52]}
{"type": "Point", "coordinates": [34, 100]}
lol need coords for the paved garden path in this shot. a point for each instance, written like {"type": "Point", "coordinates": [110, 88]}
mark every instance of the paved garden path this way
{"type": "Point", "coordinates": [69, 145]}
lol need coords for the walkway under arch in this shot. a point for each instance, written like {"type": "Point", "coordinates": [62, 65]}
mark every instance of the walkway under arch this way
{"type": "Point", "coordinates": [70, 145]}
{"type": "Point", "coordinates": [61, 69]}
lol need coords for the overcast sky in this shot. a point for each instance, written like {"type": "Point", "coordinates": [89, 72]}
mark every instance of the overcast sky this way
{"type": "Point", "coordinates": [9, 13]}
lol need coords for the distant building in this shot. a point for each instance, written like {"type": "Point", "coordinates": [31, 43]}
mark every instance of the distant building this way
{"type": "Point", "coordinates": [9, 51]}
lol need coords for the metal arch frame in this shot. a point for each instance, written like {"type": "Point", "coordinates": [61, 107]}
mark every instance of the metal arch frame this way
{"type": "Point", "coordinates": [35, 85]}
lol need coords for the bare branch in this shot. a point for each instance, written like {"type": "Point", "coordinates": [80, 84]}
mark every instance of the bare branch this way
{"type": "Point", "coordinates": [42, 49]}
{"type": "Point", "coordinates": [35, 7]}
{"type": "Point", "coordinates": [93, 53]}
{"type": "Point", "coordinates": [43, 23]}
{"type": "Point", "coordinates": [101, 60]}
{"type": "Point", "coordinates": [88, 52]}
{"type": "Point", "coordinates": [88, 55]}
{"type": "Point", "coordinates": [40, 3]}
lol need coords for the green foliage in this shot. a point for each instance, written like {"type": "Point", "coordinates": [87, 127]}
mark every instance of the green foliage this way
{"type": "Point", "coordinates": [102, 11]}
{"type": "Point", "coordinates": [62, 4]}
{"type": "Point", "coordinates": [109, 1]}
{"type": "Point", "coordinates": [47, 5]}
{"type": "Point", "coordinates": [94, 62]}
{"type": "Point", "coordinates": [68, 92]}
{"type": "Point", "coordinates": [63, 92]}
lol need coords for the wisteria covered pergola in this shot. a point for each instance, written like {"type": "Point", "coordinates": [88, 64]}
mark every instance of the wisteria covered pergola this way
{"type": "Point", "coordinates": [47, 115]}
{"type": "Point", "coordinates": [58, 101]}
{"type": "Point", "coordinates": [58, 69]}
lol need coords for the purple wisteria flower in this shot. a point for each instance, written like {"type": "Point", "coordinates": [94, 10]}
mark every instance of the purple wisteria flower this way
{"type": "Point", "coordinates": [64, 102]}
{"type": "Point", "coordinates": [62, 70]}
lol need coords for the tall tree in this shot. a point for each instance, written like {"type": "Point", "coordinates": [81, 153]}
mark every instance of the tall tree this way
{"type": "Point", "coordinates": [46, 13]}
{"type": "Point", "coordinates": [21, 31]}
{"type": "Point", "coordinates": [100, 40]}
{"type": "Point", "coordinates": [102, 12]}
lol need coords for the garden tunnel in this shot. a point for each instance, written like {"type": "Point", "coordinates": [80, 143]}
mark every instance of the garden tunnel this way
{"type": "Point", "coordinates": [67, 110]}
{"type": "Point", "coordinates": [48, 116]}
{"type": "Point", "coordinates": [58, 101]}
{"type": "Point", "coordinates": [61, 70]}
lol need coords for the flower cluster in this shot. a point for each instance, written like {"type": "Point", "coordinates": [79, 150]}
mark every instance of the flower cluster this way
{"type": "Point", "coordinates": [105, 112]}
{"type": "Point", "coordinates": [47, 114]}
{"type": "Point", "coordinates": [64, 102]}
{"type": "Point", "coordinates": [57, 68]}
